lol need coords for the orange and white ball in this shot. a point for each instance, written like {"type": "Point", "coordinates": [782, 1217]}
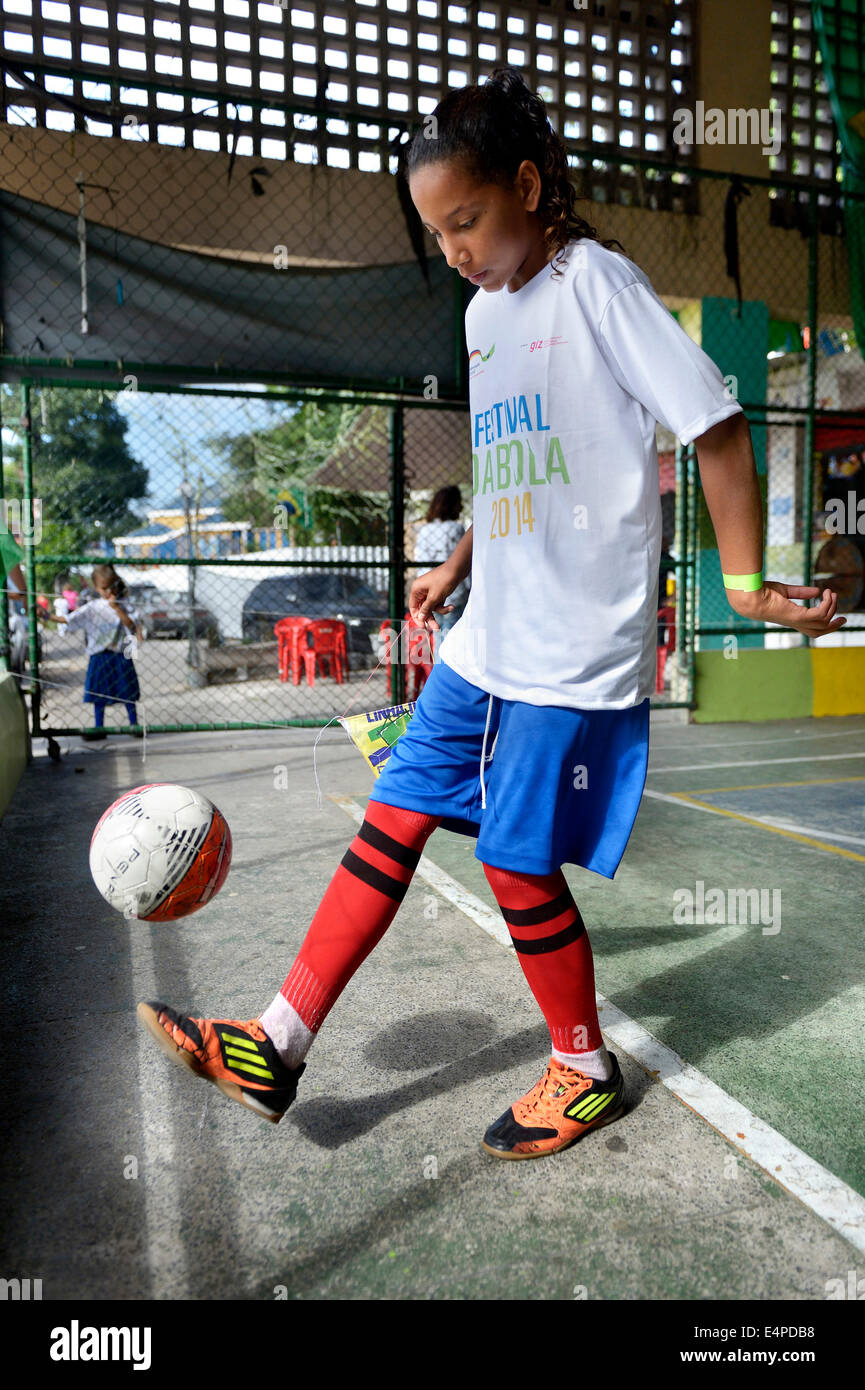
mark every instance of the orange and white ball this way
{"type": "Point", "coordinates": [160, 852]}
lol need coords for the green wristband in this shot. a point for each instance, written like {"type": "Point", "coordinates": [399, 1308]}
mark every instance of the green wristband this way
{"type": "Point", "coordinates": [748, 582]}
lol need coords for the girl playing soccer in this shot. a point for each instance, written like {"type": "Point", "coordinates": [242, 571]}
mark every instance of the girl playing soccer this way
{"type": "Point", "coordinates": [111, 676]}
{"type": "Point", "coordinates": [532, 731]}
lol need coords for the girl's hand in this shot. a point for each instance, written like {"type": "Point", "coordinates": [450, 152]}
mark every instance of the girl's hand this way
{"type": "Point", "coordinates": [428, 593]}
{"type": "Point", "coordinates": [772, 604]}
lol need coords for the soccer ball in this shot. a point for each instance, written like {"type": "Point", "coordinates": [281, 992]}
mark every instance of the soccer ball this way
{"type": "Point", "coordinates": [160, 852]}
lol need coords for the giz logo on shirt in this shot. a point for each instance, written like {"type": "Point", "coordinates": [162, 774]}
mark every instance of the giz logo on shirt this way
{"type": "Point", "coordinates": [539, 343]}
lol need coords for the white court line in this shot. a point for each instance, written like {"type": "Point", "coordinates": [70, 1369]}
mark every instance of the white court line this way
{"type": "Point", "coordinates": [166, 1254]}
{"type": "Point", "coordinates": [800, 1175]}
{"type": "Point", "coordinates": [756, 762]}
{"type": "Point", "coordinates": [771, 822]}
{"type": "Point", "coordinates": [828, 835]}
{"type": "Point", "coordinates": [797, 737]}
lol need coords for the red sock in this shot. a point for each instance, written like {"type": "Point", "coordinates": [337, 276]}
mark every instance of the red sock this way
{"type": "Point", "coordinates": [553, 949]}
{"type": "Point", "coordinates": [361, 901]}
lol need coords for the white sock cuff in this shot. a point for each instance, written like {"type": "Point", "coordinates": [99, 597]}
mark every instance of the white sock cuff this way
{"type": "Point", "coordinates": [595, 1064]}
{"type": "Point", "coordinates": [287, 1031]}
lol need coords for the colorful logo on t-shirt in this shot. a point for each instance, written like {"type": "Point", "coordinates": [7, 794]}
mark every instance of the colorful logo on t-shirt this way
{"type": "Point", "coordinates": [476, 358]}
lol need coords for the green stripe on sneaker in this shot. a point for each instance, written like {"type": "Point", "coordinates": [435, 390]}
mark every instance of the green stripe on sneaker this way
{"type": "Point", "coordinates": [587, 1110]}
{"type": "Point", "coordinates": [245, 1069]}
{"type": "Point", "coordinates": [242, 1061]}
{"type": "Point", "coordinates": [237, 1041]}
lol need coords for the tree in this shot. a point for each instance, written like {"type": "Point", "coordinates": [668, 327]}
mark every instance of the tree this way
{"type": "Point", "coordinates": [83, 471]}
{"type": "Point", "coordinates": [263, 462]}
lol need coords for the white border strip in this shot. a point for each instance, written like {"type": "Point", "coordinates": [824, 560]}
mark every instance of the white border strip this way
{"type": "Point", "coordinates": [771, 822]}
{"type": "Point", "coordinates": [158, 1171]}
{"type": "Point", "coordinates": [818, 1189]}
{"type": "Point", "coordinates": [812, 1184]}
{"type": "Point", "coordinates": [760, 762]}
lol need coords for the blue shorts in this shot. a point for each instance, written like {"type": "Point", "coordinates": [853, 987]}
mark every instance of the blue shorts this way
{"type": "Point", "coordinates": [563, 786]}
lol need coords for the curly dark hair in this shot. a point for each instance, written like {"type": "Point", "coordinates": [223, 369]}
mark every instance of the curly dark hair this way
{"type": "Point", "coordinates": [490, 129]}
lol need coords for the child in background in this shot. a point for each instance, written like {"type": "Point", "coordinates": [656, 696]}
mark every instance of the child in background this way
{"type": "Point", "coordinates": [436, 540]}
{"type": "Point", "coordinates": [111, 676]}
{"type": "Point", "coordinates": [573, 358]}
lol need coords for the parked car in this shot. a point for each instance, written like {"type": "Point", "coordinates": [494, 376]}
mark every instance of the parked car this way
{"type": "Point", "coordinates": [166, 612]}
{"type": "Point", "coordinates": [319, 594]}
{"type": "Point", "coordinates": [19, 640]}
{"type": "Point", "coordinates": [135, 592]}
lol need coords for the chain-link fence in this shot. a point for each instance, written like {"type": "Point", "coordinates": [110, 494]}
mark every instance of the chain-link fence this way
{"type": "Point", "coordinates": [258, 439]}
{"type": "Point", "coordinates": [257, 526]}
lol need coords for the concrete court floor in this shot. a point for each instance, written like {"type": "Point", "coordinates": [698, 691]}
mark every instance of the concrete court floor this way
{"type": "Point", "coordinates": [123, 1177]}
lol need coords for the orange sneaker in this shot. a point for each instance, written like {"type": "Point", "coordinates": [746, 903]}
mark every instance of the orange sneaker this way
{"type": "Point", "coordinates": [239, 1058]}
{"type": "Point", "coordinates": [559, 1110]}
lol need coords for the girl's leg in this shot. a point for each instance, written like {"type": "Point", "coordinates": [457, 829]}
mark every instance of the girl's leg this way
{"type": "Point", "coordinates": [131, 711]}
{"type": "Point", "coordinates": [550, 939]}
{"type": "Point", "coordinates": [98, 714]}
{"type": "Point", "coordinates": [358, 907]}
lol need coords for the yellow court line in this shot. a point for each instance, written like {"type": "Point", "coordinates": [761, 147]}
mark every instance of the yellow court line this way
{"type": "Point", "coordinates": [775, 829]}
{"type": "Point", "coordinates": [761, 786]}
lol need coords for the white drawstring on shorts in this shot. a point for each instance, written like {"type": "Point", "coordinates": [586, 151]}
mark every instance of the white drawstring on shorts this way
{"type": "Point", "coordinates": [484, 753]}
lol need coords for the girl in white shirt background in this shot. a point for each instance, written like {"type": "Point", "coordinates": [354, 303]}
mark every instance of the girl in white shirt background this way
{"type": "Point", "coordinates": [436, 541]}
{"type": "Point", "coordinates": [111, 676]}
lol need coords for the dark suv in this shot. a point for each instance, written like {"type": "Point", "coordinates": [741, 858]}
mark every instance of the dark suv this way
{"type": "Point", "coordinates": [320, 594]}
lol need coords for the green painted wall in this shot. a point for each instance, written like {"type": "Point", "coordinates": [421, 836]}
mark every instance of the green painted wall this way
{"type": "Point", "coordinates": [755, 685]}
{"type": "Point", "coordinates": [738, 346]}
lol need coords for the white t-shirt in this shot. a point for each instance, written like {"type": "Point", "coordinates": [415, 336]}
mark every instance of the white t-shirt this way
{"type": "Point", "coordinates": [435, 541]}
{"type": "Point", "coordinates": [567, 379]}
{"type": "Point", "coordinates": [103, 630]}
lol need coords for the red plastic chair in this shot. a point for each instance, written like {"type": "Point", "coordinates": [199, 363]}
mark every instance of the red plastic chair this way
{"type": "Point", "coordinates": [386, 638]}
{"type": "Point", "coordinates": [421, 653]}
{"type": "Point", "coordinates": [667, 619]}
{"type": "Point", "coordinates": [330, 644]}
{"type": "Point", "coordinates": [291, 635]}
{"type": "Point", "coordinates": [421, 657]}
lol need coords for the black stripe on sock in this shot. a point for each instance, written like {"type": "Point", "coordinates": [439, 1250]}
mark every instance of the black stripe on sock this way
{"type": "Point", "coordinates": [542, 944]}
{"type": "Point", "coordinates": [544, 912]}
{"type": "Point", "coordinates": [386, 844]}
{"type": "Point", "coordinates": [383, 883]}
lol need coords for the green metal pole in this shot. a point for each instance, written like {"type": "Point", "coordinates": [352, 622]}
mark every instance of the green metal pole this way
{"type": "Point", "coordinates": [27, 535]}
{"type": "Point", "coordinates": [396, 542]}
{"type": "Point", "coordinates": [691, 573]}
{"type": "Point", "coordinates": [808, 498]}
{"type": "Point", "coordinates": [682, 656]}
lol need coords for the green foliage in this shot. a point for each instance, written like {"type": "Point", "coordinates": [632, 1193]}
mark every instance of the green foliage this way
{"type": "Point", "coordinates": [82, 469]}
{"type": "Point", "coordinates": [264, 462]}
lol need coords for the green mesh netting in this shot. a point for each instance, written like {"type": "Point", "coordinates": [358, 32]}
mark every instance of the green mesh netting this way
{"type": "Point", "coordinates": [840, 29]}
